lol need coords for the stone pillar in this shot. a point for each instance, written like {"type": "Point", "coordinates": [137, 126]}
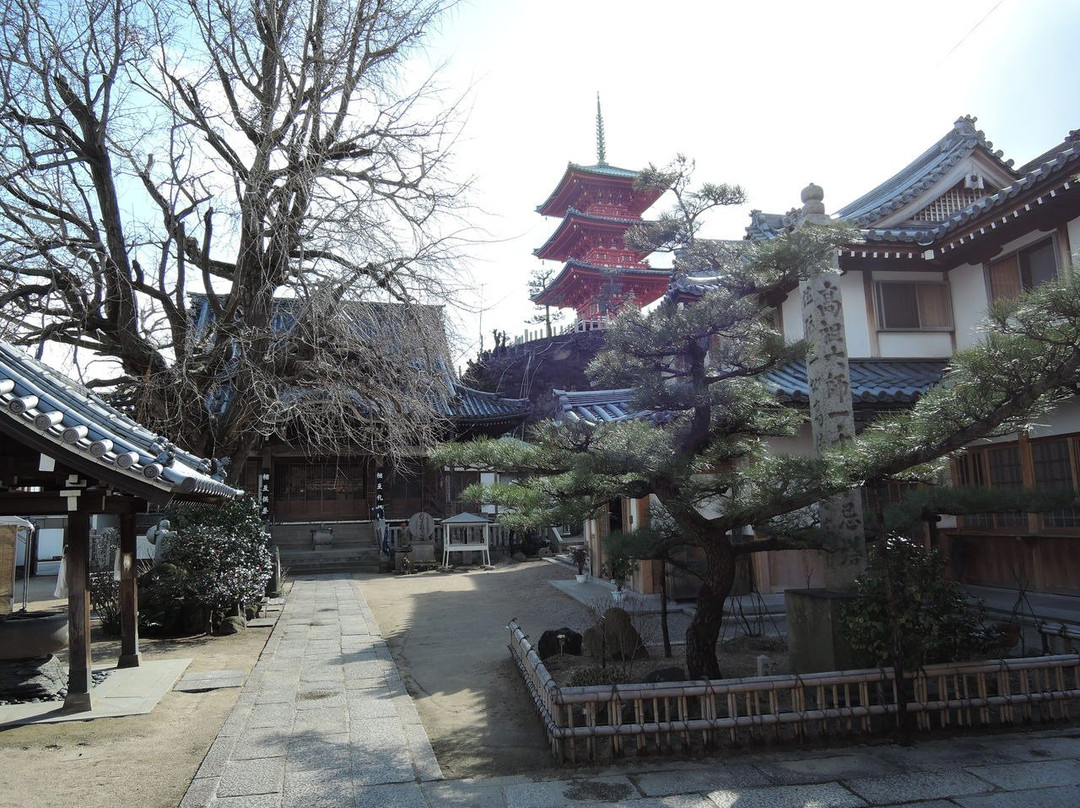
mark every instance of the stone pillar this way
{"type": "Point", "coordinates": [815, 638]}
{"type": "Point", "coordinates": [832, 418]}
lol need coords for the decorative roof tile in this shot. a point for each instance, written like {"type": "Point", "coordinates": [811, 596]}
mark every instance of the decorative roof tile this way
{"type": "Point", "coordinates": [84, 431]}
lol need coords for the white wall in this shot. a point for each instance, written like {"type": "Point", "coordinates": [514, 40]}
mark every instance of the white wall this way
{"type": "Point", "coordinates": [969, 301]}
{"type": "Point", "coordinates": [856, 325]}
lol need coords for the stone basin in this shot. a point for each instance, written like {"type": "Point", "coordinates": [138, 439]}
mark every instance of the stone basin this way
{"type": "Point", "coordinates": [32, 634]}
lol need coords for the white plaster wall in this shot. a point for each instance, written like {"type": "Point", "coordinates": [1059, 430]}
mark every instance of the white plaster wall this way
{"type": "Point", "coordinates": [915, 344]}
{"type": "Point", "coordinates": [1064, 419]}
{"type": "Point", "coordinates": [856, 325]}
{"type": "Point", "coordinates": [1073, 229]}
{"type": "Point", "coordinates": [791, 317]}
{"type": "Point", "coordinates": [969, 301]}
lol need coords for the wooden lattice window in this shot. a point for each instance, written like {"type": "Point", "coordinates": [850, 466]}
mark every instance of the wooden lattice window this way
{"type": "Point", "coordinates": [1050, 464]}
{"type": "Point", "coordinates": [1054, 468]}
{"type": "Point", "coordinates": [320, 480]}
{"type": "Point", "coordinates": [952, 201]}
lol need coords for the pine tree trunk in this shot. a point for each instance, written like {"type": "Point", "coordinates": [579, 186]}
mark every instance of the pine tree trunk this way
{"type": "Point", "coordinates": [704, 630]}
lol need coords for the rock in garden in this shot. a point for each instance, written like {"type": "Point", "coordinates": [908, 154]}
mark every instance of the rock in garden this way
{"type": "Point", "coordinates": [549, 644]}
{"type": "Point", "coordinates": [614, 637]}
{"type": "Point", "coordinates": [37, 678]}
{"type": "Point", "coordinates": [518, 557]}
{"type": "Point", "coordinates": [232, 625]}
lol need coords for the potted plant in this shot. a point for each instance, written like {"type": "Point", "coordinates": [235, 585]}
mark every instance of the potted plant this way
{"type": "Point", "coordinates": [620, 564]}
{"type": "Point", "coordinates": [580, 557]}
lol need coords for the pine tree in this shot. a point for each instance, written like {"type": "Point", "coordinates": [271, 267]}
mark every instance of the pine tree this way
{"type": "Point", "coordinates": [700, 443]}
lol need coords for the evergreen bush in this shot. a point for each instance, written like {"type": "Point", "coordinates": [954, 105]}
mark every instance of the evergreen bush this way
{"type": "Point", "coordinates": [224, 555]}
{"type": "Point", "coordinates": [907, 611]}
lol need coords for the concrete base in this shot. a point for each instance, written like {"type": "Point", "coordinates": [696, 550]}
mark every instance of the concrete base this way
{"type": "Point", "coordinates": [129, 660]}
{"type": "Point", "coordinates": [78, 703]}
{"type": "Point", "coordinates": [423, 552]}
{"type": "Point", "coordinates": [816, 639]}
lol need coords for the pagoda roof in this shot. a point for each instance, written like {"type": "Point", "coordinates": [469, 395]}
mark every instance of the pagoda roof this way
{"type": "Point", "coordinates": [567, 192]}
{"type": "Point", "coordinates": [574, 270]}
{"type": "Point", "coordinates": [43, 409]}
{"type": "Point", "coordinates": [560, 242]}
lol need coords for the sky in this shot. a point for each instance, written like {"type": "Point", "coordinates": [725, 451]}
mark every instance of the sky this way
{"type": "Point", "coordinates": [771, 96]}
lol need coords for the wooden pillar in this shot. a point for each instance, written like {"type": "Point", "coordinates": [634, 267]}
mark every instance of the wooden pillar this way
{"type": "Point", "coordinates": [129, 595]}
{"type": "Point", "coordinates": [78, 583]}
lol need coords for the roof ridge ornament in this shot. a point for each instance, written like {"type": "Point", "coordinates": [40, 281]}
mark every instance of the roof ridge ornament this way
{"type": "Point", "coordinates": [601, 149]}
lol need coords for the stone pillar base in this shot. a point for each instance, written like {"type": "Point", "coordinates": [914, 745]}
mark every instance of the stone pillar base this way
{"type": "Point", "coordinates": [77, 703]}
{"type": "Point", "coordinates": [423, 552]}
{"type": "Point", "coordinates": [816, 639]}
{"type": "Point", "coordinates": [129, 660]}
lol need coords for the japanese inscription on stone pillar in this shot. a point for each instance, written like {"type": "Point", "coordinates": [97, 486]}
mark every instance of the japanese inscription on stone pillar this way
{"type": "Point", "coordinates": [831, 416]}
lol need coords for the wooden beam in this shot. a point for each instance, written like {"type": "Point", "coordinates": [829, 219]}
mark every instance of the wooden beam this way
{"type": "Point", "coordinates": [77, 556]}
{"type": "Point", "coordinates": [129, 595]}
{"type": "Point", "coordinates": [51, 503]}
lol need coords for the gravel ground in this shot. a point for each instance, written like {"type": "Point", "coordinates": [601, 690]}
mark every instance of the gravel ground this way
{"type": "Point", "coordinates": [447, 632]}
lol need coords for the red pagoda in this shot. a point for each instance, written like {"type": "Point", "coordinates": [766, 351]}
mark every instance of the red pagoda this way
{"type": "Point", "coordinates": [598, 204]}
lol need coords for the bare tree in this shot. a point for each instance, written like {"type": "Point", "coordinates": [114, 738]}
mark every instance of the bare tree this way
{"type": "Point", "coordinates": [266, 156]}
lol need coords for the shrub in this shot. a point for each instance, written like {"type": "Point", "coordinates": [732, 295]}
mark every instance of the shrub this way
{"type": "Point", "coordinates": [588, 675]}
{"type": "Point", "coordinates": [224, 554]}
{"type": "Point", "coordinates": [904, 594]}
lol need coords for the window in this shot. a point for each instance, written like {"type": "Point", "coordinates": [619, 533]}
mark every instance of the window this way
{"type": "Point", "coordinates": [1023, 270]}
{"type": "Point", "coordinates": [319, 480]}
{"type": "Point", "coordinates": [1006, 471]}
{"type": "Point", "coordinates": [1053, 469]}
{"type": "Point", "coordinates": [904, 305]}
{"type": "Point", "coordinates": [1047, 464]}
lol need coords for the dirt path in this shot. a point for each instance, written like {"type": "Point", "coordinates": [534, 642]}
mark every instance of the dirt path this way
{"type": "Point", "coordinates": [447, 632]}
{"type": "Point", "coordinates": [144, 760]}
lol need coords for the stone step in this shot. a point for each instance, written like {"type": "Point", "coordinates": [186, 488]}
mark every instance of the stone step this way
{"type": "Point", "coordinates": [355, 559]}
{"type": "Point", "coordinates": [300, 535]}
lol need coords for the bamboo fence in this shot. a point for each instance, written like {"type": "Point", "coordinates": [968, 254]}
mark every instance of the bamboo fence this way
{"type": "Point", "coordinates": [600, 722]}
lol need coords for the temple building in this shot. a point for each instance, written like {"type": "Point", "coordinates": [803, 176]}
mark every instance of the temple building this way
{"type": "Point", "coordinates": [600, 274]}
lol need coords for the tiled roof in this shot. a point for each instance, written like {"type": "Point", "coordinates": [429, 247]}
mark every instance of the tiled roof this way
{"type": "Point", "coordinates": [596, 406]}
{"type": "Point", "coordinates": [455, 400]}
{"type": "Point", "coordinates": [574, 218]}
{"type": "Point", "coordinates": [767, 225]}
{"type": "Point", "coordinates": [873, 382]}
{"type": "Point", "coordinates": [1061, 166]}
{"type": "Point", "coordinates": [1048, 171]}
{"type": "Point", "coordinates": [927, 169]}
{"type": "Point", "coordinates": [82, 430]}
{"type": "Point", "coordinates": [605, 170]}
{"type": "Point", "coordinates": [476, 405]}
{"type": "Point", "coordinates": [564, 192]}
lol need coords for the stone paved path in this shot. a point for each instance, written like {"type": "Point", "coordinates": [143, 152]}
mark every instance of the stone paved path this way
{"type": "Point", "coordinates": [324, 722]}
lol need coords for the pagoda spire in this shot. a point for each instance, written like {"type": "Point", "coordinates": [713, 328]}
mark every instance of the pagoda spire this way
{"type": "Point", "coordinates": [601, 151]}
